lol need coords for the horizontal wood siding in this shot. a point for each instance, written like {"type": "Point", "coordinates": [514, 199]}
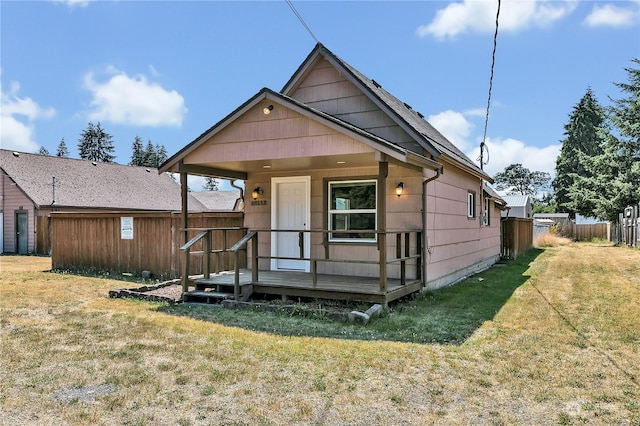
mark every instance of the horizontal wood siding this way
{"type": "Point", "coordinates": [92, 241]}
{"type": "Point", "coordinates": [456, 244]}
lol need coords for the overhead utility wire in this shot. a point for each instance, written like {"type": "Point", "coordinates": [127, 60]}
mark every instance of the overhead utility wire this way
{"type": "Point", "coordinates": [301, 20]}
{"type": "Point", "coordinates": [486, 120]}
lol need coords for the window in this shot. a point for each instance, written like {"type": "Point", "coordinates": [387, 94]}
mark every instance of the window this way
{"type": "Point", "coordinates": [487, 208]}
{"type": "Point", "coordinates": [352, 207]}
{"type": "Point", "coordinates": [471, 205]}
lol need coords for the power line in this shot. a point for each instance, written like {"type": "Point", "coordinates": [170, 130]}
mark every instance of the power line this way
{"type": "Point", "coordinates": [293, 9]}
{"type": "Point", "coordinates": [486, 120]}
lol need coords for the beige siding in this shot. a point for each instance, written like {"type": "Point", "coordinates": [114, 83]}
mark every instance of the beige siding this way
{"type": "Point", "coordinates": [457, 245]}
{"type": "Point", "coordinates": [326, 89]}
{"type": "Point", "coordinates": [13, 200]}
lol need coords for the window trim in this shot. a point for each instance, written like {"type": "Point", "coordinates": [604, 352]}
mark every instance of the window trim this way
{"type": "Point", "coordinates": [487, 209]}
{"type": "Point", "coordinates": [330, 212]}
{"type": "Point", "coordinates": [471, 205]}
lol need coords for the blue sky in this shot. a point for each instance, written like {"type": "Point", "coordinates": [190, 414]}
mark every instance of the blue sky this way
{"type": "Point", "coordinates": [168, 70]}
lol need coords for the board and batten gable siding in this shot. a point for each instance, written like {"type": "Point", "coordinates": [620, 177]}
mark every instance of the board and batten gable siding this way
{"type": "Point", "coordinates": [327, 90]}
{"type": "Point", "coordinates": [13, 200]}
{"type": "Point", "coordinates": [457, 245]}
{"type": "Point", "coordinates": [280, 135]}
{"type": "Point", "coordinates": [402, 213]}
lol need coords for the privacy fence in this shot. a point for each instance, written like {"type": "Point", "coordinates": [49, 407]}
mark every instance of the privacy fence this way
{"type": "Point", "coordinates": [627, 230]}
{"type": "Point", "coordinates": [596, 231]}
{"type": "Point", "coordinates": [126, 242]}
{"type": "Point", "coordinates": [517, 236]}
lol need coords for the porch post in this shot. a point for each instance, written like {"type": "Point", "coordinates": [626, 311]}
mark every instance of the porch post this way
{"type": "Point", "coordinates": [185, 224]}
{"type": "Point", "coordinates": [383, 171]}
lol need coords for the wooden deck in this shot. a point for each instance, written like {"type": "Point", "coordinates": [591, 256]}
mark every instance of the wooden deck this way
{"type": "Point", "coordinates": [300, 284]}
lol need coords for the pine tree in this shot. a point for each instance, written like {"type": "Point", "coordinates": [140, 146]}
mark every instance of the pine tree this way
{"type": "Point", "coordinates": [138, 155]}
{"type": "Point", "coordinates": [150, 155]}
{"type": "Point", "coordinates": [161, 155]}
{"type": "Point", "coordinates": [613, 182]}
{"type": "Point", "coordinates": [62, 150]}
{"type": "Point", "coordinates": [582, 137]}
{"type": "Point", "coordinates": [95, 144]}
{"type": "Point", "coordinates": [210, 184]}
{"type": "Point", "coordinates": [43, 151]}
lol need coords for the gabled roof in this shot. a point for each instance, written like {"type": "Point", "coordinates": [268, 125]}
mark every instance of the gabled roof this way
{"type": "Point", "coordinates": [87, 184]}
{"type": "Point", "coordinates": [362, 135]}
{"type": "Point", "coordinates": [517, 200]}
{"type": "Point", "coordinates": [497, 198]}
{"type": "Point", "coordinates": [410, 120]}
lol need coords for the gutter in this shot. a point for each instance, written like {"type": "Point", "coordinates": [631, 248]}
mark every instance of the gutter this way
{"type": "Point", "coordinates": [241, 198]}
{"type": "Point", "coordinates": [425, 249]}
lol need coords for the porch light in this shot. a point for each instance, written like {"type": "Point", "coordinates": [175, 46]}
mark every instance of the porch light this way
{"type": "Point", "coordinates": [257, 191]}
{"type": "Point", "coordinates": [399, 189]}
{"type": "Point", "coordinates": [267, 110]}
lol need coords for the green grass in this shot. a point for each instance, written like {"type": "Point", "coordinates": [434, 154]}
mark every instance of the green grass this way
{"type": "Point", "coordinates": [449, 315]}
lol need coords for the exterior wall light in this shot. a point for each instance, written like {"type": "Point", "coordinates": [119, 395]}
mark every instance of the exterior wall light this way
{"type": "Point", "coordinates": [257, 191]}
{"type": "Point", "coordinates": [399, 189]}
{"type": "Point", "coordinates": [267, 110]}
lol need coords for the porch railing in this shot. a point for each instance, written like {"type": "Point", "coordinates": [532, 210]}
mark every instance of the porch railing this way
{"type": "Point", "coordinates": [403, 255]}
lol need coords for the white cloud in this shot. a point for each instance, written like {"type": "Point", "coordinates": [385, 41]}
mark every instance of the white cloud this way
{"type": "Point", "coordinates": [609, 15]}
{"type": "Point", "coordinates": [17, 119]}
{"type": "Point", "coordinates": [473, 16]}
{"type": "Point", "coordinates": [134, 101]}
{"type": "Point", "coordinates": [504, 152]}
{"type": "Point", "coordinates": [454, 126]}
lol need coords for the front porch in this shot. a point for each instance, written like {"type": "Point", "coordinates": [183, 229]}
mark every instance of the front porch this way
{"type": "Point", "coordinates": [241, 284]}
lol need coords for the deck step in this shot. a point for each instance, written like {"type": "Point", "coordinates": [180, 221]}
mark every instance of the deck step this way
{"type": "Point", "coordinates": [206, 296]}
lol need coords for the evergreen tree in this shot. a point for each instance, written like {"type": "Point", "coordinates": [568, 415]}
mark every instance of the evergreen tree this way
{"type": "Point", "coordinates": [161, 155]}
{"type": "Point", "coordinates": [62, 150]}
{"type": "Point", "coordinates": [582, 137]}
{"type": "Point", "coordinates": [43, 151]}
{"type": "Point", "coordinates": [613, 181]}
{"type": "Point", "coordinates": [137, 153]}
{"type": "Point", "coordinates": [518, 180]}
{"type": "Point", "coordinates": [95, 144]}
{"type": "Point", "coordinates": [150, 157]}
{"type": "Point", "coordinates": [210, 184]}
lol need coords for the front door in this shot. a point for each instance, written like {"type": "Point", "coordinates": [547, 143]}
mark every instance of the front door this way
{"type": "Point", "coordinates": [290, 211]}
{"type": "Point", "coordinates": [22, 234]}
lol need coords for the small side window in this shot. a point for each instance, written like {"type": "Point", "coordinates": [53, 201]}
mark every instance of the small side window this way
{"type": "Point", "coordinates": [471, 205]}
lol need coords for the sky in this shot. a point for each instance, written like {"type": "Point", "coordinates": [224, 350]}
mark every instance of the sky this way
{"type": "Point", "coordinates": [166, 71]}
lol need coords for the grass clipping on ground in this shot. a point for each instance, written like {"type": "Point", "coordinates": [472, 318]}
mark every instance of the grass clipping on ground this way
{"type": "Point", "coordinates": [551, 338]}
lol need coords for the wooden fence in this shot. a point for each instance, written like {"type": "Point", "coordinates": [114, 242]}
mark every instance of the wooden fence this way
{"type": "Point", "coordinates": [517, 236]}
{"type": "Point", "coordinates": [100, 242]}
{"type": "Point", "coordinates": [583, 232]}
{"type": "Point", "coordinates": [627, 230]}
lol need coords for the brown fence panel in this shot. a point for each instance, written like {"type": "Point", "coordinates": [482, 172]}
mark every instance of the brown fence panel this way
{"type": "Point", "coordinates": [43, 243]}
{"type": "Point", "coordinates": [517, 236]}
{"type": "Point", "coordinates": [93, 241]}
{"type": "Point", "coordinates": [583, 232]}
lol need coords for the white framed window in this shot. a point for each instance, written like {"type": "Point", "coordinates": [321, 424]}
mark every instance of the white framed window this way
{"type": "Point", "coordinates": [471, 205]}
{"type": "Point", "coordinates": [486, 217]}
{"type": "Point", "coordinates": [352, 207]}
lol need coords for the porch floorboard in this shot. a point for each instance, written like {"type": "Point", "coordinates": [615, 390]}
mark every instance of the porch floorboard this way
{"type": "Point", "coordinates": [300, 284]}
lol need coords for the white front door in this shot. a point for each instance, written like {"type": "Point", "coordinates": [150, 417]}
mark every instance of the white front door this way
{"type": "Point", "coordinates": [290, 211]}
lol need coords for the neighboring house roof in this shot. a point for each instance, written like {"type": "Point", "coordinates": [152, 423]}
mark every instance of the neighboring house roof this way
{"type": "Point", "coordinates": [406, 117]}
{"type": "Point", "coordinates": [87, 184]}
{"type": "Point", "coordinates": [219, 200]}
{"type": "Point", "coordinates": [517, 200]}
{"type": "Point", "coordinates": [550, 215]}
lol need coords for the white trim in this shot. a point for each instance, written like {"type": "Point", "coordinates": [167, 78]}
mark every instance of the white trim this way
{"type": "Point", "coordinates": [274, 217]}
{"type": "Point", "coordinates": [369, 211]}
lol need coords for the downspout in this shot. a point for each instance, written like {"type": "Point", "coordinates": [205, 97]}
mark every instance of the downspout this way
{"type": "Point", "coordinates": [241, 189]}
{"type": "Point", "coordinates": [425, 249]}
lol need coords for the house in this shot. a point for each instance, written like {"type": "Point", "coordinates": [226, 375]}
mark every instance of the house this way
{"type": "Point", "coordinates": [35, 186]}
{"type": "Point", "coordinates": [561, 218]}
{"type": "Point", "coordinates": [352, 190]}
{"type": "Point", "coordinates": [220, 200]}
{"type": "Point", "coordinates": [519, 206]}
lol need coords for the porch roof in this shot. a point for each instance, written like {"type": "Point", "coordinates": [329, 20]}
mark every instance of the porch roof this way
{"type": "Point", "coordinates": [383, 150]}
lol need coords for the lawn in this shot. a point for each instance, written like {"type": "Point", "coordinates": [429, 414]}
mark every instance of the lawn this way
{"type": "Point", "coordinates": [552, 338]}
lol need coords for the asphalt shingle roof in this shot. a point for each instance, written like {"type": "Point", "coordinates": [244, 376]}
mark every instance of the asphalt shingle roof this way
{"type": "Point", "coordinates": [86, 184]}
